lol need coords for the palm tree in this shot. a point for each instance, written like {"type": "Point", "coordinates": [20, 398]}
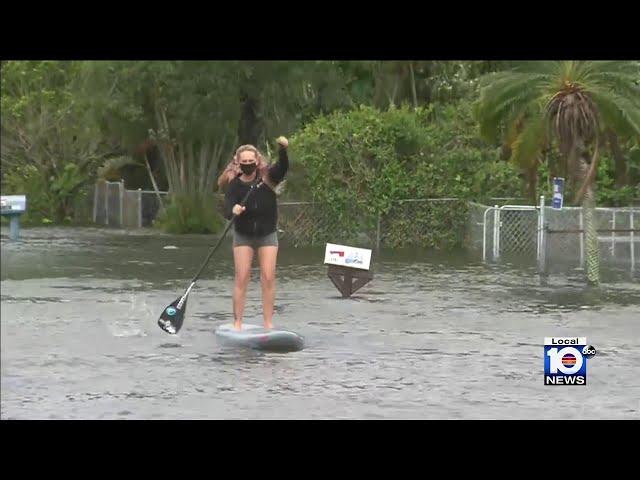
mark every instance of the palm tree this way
{"type": "Point", "coordinates": [577, 104]}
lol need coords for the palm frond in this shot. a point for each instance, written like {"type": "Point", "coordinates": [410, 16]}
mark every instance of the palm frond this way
{"type": "Point", "coordinates": [493, 77]}
{"type": "Point", "coordinates": [582, 71]}
{"type": "Point", "coordinates": [538, 67]}
{"type": "Point", "coordinates": [537, 102]}
{"type": "Point", "coordinates": [620, 84]}
{"type": "Point", "coordinates": [504, 99]}
{"type": "Point", "coordinates": [529, 143]}
{"type": "Point", "coordinates": [514, 124]}
{"type": "Point", "coordinates": [616, 67]}
{"type": "Point", "coordinates": [508, 86]}
{"type": "Point", "coordinates": [617, 112]}
{"type": "Point", "coordinates": [566, 70]}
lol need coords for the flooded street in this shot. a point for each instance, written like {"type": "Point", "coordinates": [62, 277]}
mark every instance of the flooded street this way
{"type": "Point", "coordinates": [433, 336]}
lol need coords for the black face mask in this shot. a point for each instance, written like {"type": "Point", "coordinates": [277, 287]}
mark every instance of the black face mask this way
{"type": "Point", "coordinates": [248, 168]}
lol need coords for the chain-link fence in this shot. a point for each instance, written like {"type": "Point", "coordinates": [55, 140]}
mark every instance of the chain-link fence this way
{"type": "Point", "coordinates": [115, 204]}
{"type": "Point", "coordinates": [413, 222]}
{"type": "Point", "coordinates": [422, 223]}
{"type": "Point", "coordinates": [309, 223]}
{"type": "Point", "coordinates": [565, 241]}
{"type": "Point", "coordinates": [507, 231]}
{"type": "Point", "coordinates": [100, 203]}
{"type": "Point", "coordinates": [132, 214]}
{"type": "Point", "coordinates": [566, 247]}
{"type": "Point", "coordinates": [552, 239]}
{"type": "Point", "coordinates": [425, 223]}
{"type": "Point", "coordinates": [479, 225]}
{"type": "Point", "coordinates": [518, 232]}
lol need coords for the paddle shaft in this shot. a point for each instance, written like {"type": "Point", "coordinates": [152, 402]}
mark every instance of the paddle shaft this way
{"type": "Point", "coordinates": [224, 233]}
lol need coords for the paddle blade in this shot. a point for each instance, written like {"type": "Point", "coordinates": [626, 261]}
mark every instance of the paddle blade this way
{"type": "Point", "coordinates": [172, 317]}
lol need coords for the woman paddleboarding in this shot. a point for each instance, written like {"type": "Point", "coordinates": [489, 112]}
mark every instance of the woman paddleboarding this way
{"type": "Point", "coordinates": [255, 226]}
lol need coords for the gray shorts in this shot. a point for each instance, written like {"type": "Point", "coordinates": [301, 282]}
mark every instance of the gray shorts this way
{"type": "Point", "coordinates": [241, 240]}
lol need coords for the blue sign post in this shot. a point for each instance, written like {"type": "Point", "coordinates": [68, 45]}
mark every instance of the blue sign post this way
{"type": "Point", "coordinates": [558, 193]}
{"type": "Point", "coordinates": [13, 206]}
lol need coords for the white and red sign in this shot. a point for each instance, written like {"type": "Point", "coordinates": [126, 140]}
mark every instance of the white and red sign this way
{"type": "Point", "coordinates": [346, 256]}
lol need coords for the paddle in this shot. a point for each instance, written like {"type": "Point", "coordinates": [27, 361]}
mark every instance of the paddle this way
{"type": "Point", "coordinates": [172, 316]}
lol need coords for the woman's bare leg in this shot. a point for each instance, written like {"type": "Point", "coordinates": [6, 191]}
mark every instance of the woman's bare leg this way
{"type": "Point", "coordinates": [243, 257]}
{"type": "Point", "coordinates": [267, 257]}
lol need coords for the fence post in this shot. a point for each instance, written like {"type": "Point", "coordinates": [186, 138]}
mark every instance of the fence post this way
{"type": "Point", "coordinates": [121, 190]}
{"type": "Point", "coordinates": [139, 208]}
{"type": "Point", "coordinates": [542, 239]}
{"type": "Point", "coordinates": [633, 258]}
{"type": "Point", "coordinates": [581, 239]}
{"type": "Point", "coordinates": [539, 236]}
{"type": "Point", "coordinates": [106, 201]}
{"type": "Point", "coordinates": [613, 234]}
{"type": "Point", "coordinates": [496, 232]}
{"type": "Point", "coordinates": [95, 202]}
{"type": "Point", "coordinates": [484, 234]}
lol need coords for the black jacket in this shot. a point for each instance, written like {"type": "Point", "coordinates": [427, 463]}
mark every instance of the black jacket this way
{"type": "Point", "coordinates": [261, 216]}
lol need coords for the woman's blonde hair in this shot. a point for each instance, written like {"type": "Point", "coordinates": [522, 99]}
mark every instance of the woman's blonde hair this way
{"type": "Point", "coordinates": [263, 166]}
{"type": "Point", "coordinates": [262, 162]}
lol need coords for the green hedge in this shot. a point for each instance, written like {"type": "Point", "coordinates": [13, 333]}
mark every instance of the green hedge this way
{"type": "Point", "coordinates": [191, 214]}
{"type": "Point", "coordinates": [372, 159]}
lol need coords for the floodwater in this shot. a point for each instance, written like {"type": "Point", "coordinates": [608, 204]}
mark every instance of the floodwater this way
{"type": "Point", "coordinates": [433, 336]}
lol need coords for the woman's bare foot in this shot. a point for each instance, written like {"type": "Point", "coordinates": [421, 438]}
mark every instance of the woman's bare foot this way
{"type": "Point", "coordinates": [237, 325]}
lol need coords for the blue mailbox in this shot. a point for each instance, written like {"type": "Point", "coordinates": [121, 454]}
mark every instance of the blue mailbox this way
{"type": "Point", "coordinates": [13, 206]}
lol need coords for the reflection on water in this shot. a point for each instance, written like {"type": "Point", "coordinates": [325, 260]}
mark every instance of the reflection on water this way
{"type": "Point", "coordinates": [432, 336]}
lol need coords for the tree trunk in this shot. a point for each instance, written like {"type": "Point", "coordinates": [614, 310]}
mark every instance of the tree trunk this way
{"type": "Point", "coordinates": [392, 99]}
{"type": "Point", "coordinates": [592, 248]}
{"type": "Point", "coordinates": [413, 86]}
{"type": "Point", "coordinates": [588, 207]}
{"type": "Point", "coordinates": [250, 126]}
{"type": "Point", "coordinates": [60, 211]}
{"type": "Point", "coordinates": [153, 182]}
{"type": "Point", "coordinates": [620, 161]}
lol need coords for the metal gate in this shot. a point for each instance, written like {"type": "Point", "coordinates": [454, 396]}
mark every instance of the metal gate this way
{"type": "Point", "coordinates": [515, 231]}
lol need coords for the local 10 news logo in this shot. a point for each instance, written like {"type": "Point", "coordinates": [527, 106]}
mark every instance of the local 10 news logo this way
{"type": "Point", "coordinates": [565, 360]}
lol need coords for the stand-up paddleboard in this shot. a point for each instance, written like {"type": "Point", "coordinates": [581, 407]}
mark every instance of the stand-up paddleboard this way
{"type": "Point", "coordinates": [258, 338]}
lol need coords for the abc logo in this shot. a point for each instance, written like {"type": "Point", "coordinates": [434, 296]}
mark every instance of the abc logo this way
{"type": "Point", "coordinates": [589, 351]}
{"type": "Point", "coordinates": [567, 360]}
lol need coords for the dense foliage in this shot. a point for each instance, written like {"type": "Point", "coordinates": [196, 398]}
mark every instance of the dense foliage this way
{"type": "Point", "coordinates": [361, 163]}
{"type": "Point", "coordinates": [364, 134]}
{"type": "Point", "coordinates": [50, 147]}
